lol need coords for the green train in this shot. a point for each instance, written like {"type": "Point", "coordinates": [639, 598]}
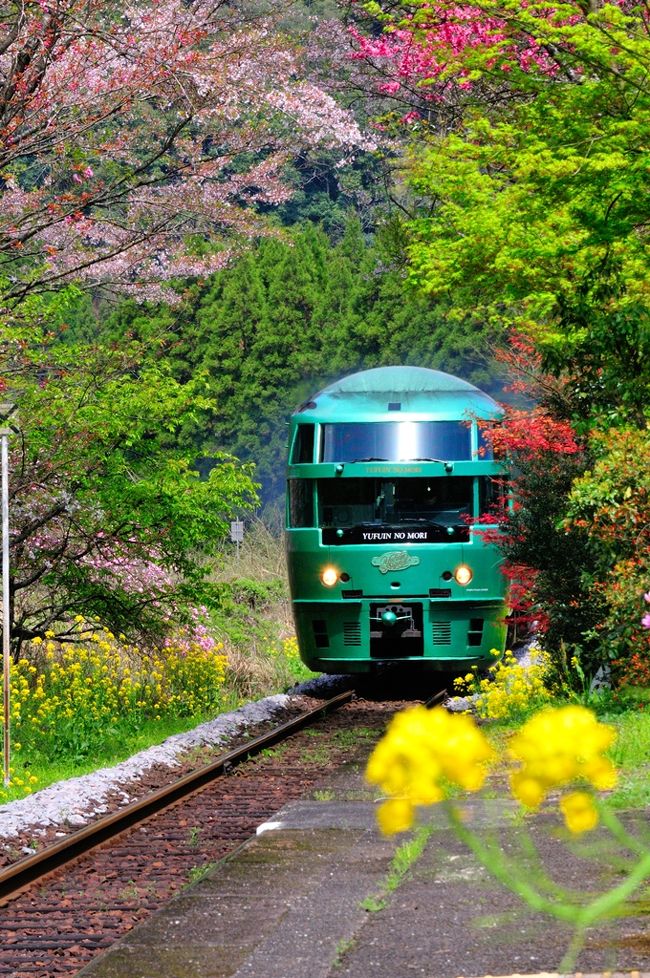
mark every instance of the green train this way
{"type": "Point", "coordinates": [387, 471]}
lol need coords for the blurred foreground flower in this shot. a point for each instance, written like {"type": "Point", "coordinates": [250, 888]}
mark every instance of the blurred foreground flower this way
{"type": "Point", "coordinates": [427, 752]}
{"type": "Point", "coordinates": [557, 747]}
{"type": "Point", "coordinates": [423, 754]}
{"type": "Point", "coordinates": [427, 755]}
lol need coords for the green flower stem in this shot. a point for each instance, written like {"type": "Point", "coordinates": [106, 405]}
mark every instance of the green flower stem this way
{"type": "Point", "coordinates": [544, 882]}
{"type": "Point", "coordinates": [568, 962]}
{"type": "Point", "coordinates": [505, 870]}
{"type": "Point", "coordinates": [618, 830]}
{"type": "Point", "coordinates": [581, 916]}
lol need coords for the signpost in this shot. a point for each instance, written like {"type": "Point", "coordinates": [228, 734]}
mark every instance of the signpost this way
{"type": "Point", "coordinates": [237, 533]}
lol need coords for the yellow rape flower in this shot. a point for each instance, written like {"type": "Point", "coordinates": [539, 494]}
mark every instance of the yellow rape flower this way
{"type": "Point", "coordinates": [557, 746]}
{"type": "Point", "coordinates": [579, 812]}
{"type": "Point", "coordinates": [395, 815]}
{"type": "Point", "coordinates": [423, 752]}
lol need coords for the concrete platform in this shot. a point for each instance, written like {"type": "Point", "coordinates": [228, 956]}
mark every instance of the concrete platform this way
{"type": "Point", "coordinates": [311, 897]}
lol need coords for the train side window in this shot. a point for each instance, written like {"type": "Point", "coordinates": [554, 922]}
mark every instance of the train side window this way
{"type": "Point", "coordinates": [485, 450]}
{"type": "Point", "coordinates": [301, 502]}
{"type": "Point", "coordinates": [493, 495]}
{"type": "Point", "coordinates": [303, 446]}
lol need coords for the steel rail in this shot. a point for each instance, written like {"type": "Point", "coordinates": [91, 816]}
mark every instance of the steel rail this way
{"type": "Point", "coordinates": [437, 699]}
{"type": "Point", "coordinates": [26, 871]}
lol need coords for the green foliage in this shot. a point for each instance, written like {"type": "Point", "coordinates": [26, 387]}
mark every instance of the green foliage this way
{"type": "Point", "coordinates": [327, 194]}
{"type": "Point", "coordinates": [611, 504]}
{"type": "Point", "coordinates": [562, 563]}
{"type": "Point", "coordinates": [630, 754]}
{"type": "Point", "coordinates": [537, 202]}
{"type": "Point", "coordinates": [288, 317]}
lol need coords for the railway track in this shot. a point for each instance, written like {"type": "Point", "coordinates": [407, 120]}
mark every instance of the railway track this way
{"type": "Point", "coordinates": [63, 905]}
{"type": "Point", "coordinates": [36, 867]}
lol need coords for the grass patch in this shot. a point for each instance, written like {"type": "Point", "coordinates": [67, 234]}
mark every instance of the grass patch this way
{"type": "Point", "coordinates": [343, 948]}
{"type": "Point", "coordinates": [350, 738]}
{"type": "Point", "coordinates": [631, 755]}
{"type": "Point", "coordinates": [324, 794]}
{"type": "Point", "coordinates": [198, 873]}
{"type": "Point", "coordinates": [115, 749]}
{"type": "Point", "coordinates": [405, 856]}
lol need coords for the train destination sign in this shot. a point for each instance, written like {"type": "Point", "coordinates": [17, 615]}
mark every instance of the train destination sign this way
{"type": "Point", "coordinates": [394, 534]}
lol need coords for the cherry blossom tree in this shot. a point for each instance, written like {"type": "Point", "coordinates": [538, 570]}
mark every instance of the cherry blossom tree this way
{"type": "Point", "coordinates": [137, 137]}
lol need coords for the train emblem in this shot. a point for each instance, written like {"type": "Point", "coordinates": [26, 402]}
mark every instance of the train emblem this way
{"type": "Point", "coordinates": [396, 560]}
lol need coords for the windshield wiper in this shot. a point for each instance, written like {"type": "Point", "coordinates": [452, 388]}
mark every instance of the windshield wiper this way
{"type": "Point", "coordinates": [369, 460]}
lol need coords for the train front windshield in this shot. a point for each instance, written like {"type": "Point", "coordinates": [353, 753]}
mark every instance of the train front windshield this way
{"type": "Point", "coordinates": [395, 441]}
{"type": "Point", "coordinates": [352, 502]}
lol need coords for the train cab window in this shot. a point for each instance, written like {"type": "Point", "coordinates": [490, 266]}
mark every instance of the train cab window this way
{"type": "Point", "coordinates": [344, 502]}
{"type": "Point", "coordinates": [434, 501]}
{"type": "Point", "coordinates": [301, 502]}
{"type": "Point", "coordinates": [396, 441]}
{"type": "Point", "coordinates": [303, 446]}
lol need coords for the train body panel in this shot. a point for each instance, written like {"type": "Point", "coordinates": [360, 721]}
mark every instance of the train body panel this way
{"type": "Point", "coordinates": [386, 477]}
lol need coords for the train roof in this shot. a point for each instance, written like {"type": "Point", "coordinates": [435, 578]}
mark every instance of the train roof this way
{"type": "Point", "coordinates": [388, 393]}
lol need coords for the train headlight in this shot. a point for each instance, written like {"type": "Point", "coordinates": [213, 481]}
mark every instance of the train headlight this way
{"type": "Point", "coordinates": [463, 574]}
{"type": "Point", "coordinates": [329, 576]}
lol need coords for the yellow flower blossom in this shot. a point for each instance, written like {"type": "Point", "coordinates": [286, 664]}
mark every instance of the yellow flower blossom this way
{"type": "Point", "coordinates": [395, 815]}
{"type": "Point", "coordinates": [423, 752]}
{"type": "Point", "coordinates": [579, 812]}
{"type": "Point", "coordinates": [559, 746]}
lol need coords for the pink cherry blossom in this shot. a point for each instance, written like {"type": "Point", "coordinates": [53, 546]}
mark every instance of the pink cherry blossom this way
{"type": "Point", "coordinates": [153, 105]}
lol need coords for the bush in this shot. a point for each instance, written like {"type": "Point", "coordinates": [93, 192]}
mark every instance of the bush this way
{"type": "Point", "coordinates": [510, 691]}
{"type": "Point", "coordinates": [611, 504]}
{"type": "Point", "coordinates": [68, 700]}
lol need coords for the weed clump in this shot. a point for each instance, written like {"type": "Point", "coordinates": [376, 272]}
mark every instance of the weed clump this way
{"type": "Point", "coordinates": [510, 691]}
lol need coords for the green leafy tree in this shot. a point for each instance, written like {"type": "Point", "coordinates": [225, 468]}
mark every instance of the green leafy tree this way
{"type": "Point", "coordinates": [529, 155]}
{"type": "Point", "coordinates": [109, 518]}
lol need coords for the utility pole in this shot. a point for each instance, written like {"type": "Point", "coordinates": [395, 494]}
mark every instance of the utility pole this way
{"type": "Point", "coordinates": [5, 410]}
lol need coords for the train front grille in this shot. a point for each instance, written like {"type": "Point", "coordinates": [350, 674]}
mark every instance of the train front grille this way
{"type": "Point", "coordinates": [351, 633]}
{"type": "Point", "coordinates": [441, 632]}
{"type": "Point", "coordinates": [396, 631]}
